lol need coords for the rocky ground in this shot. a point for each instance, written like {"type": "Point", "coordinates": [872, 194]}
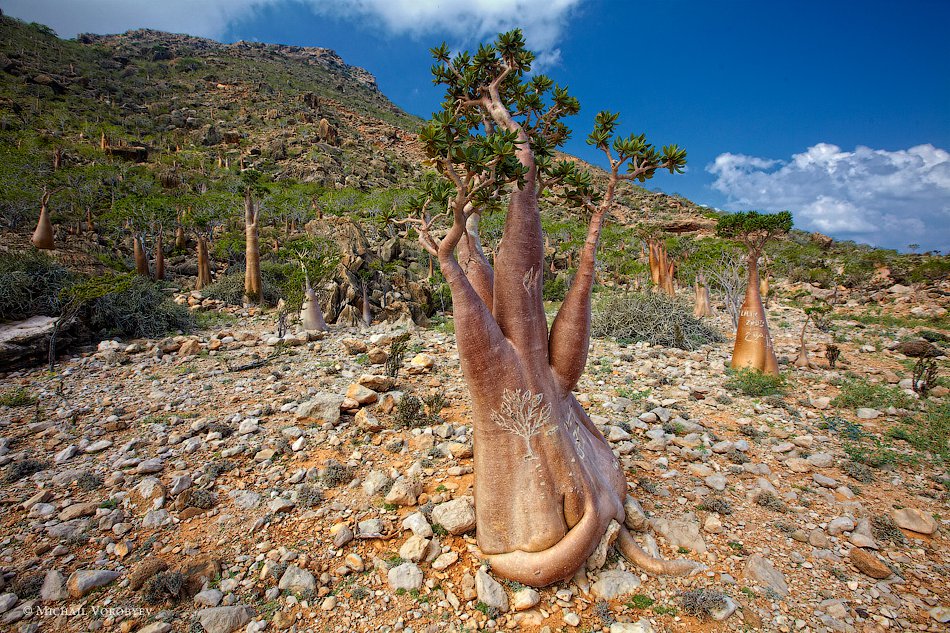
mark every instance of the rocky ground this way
{"type": "Point", "coordinates": [222, 482]}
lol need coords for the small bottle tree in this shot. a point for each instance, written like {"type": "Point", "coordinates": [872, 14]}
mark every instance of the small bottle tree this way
{"type": "Point", "coordinates": [753, 346]}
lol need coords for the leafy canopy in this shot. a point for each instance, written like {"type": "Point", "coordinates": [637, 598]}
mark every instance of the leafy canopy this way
{"type": "Point", "coordinates": [752, 228]}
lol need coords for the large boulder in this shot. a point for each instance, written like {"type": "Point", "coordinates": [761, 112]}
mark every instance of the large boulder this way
{"type": "Point", "coordinates": [25, 343]}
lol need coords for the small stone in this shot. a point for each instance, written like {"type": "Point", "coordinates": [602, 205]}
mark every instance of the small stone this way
{"type": "Point", "coordinates": [865, 413]}
{"type": "Point", "coordinates": [361, 394]}
{"type": "Point", "coordinates": [641, 626]}
{"type": "Point", "coordinates": [407, 576]}
{"type": "Point", "coordinates": [414, 549]}
{"type": "Point", "coordinates": [418, 524]}
{"type": "Point", "coordinates": [524, 599]}
{"type": "Point", "coordinates": [914, 520]}
{"type": "Point", "coordinates": [54, 587]}
{"type": "Point", "coordinates": [209, 598]}
{"type": "Point", "coordinates": [224, 619]}
{"type": "Point", "coordinates": [869, 564]}
{"type": "Point", "coordinates": [366, 421]}
{"type": "Point", "coordinates": [614, 583]}
{"type": "Point", "coordinates": [83, 581]}
{"type": "Point", "coordinates": [762, 571]}
{"type": "Point", "coordinates": [572, 619]}
{"type": "Point", "coordinates": [456, 516]}
{"type": "Point", "coordinates": [490, 591]}
{"type": "Point", "coordinates": [404, 492]}
{"type": "Point", "coordinates": [840, 525]}
{"type": "Point", "coordinates": [443, 561]}
{"type": "Point", "coordinates": [297, 580]}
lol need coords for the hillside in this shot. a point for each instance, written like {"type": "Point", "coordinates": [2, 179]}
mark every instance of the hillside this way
{"type": "Point", "coordinates": [179, 460]}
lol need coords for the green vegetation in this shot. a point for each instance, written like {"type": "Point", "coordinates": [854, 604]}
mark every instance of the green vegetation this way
{"type": "Point", "coordinates": [752, 382]}
{"type": "Point", "coordinates": [859, 392]}
{"type": "Point", "coordinates": [17, 397]}
{"type": "Point", "coordinates": [640, 601]}
{"type": "Point", "coordinates": [30, 284]}
{"type": "Point", "coordinates": [652, 317]}
{"type": "Point", "coordinates": [128, 305]}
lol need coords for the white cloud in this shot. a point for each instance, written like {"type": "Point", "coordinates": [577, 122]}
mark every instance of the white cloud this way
{"type": "Point", "coordinates": [464, 21]}
{"type": "Point", "coordinates": [886, 198]}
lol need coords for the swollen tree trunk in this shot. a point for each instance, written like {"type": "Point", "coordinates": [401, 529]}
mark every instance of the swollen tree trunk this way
{"type": "Point", "coordinates": [764, 288]}
{"type": "Point", "coordinates": [547, 484]}
{"type": "Point", "coordinates": [159, 257]}
{"type": "Point", "coordinates": [204, 266]}
{"type": "Point", "coordinates": [252, 271]}
{"type": "Point", "coordinates": [753, 346]}
{"type": "Point", "coordinates": [701, 292]}
{"type": "Point", "coordinates": [180, 242]}
{"type": "Point", "coordinates": [802, 359]}
{"type": "Point", "coordinates": [311, 316]}
{"type": "Point", "coordinates": [141, 259]}
{"type": "Point", "coordinates": [367, 311]}
{"type": "Point", "coordinates": [43, 235]}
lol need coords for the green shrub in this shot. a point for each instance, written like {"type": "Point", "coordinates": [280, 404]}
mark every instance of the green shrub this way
{"type": "Point", "coordinates": [752, 382]}
{"type": "Point", "coordinates": [128, 305]}
{"type": "Point", "coordinates": [555, 289]}
{"type": "Point", "coordinates": [858, 392]}
{"type": "Point", "coordinates": [30, 284]}
{"type": "Point", "coordinates": [652, 317]}
{"type": "Point", "coordinates": [17, 397]}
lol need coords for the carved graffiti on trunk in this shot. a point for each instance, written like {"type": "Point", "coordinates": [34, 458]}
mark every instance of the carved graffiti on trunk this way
{"type": "Point", "coordinates": [522, 414]}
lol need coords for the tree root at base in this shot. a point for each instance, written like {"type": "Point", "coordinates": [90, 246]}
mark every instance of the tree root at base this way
{"type": "Point", "coordinates": [632, 551]}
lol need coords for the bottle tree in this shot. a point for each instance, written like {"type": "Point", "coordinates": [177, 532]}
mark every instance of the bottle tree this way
{"type": "Point", "coordinates": [548, 488]}
{"type": "Point", "coordinates": [753, 348]}
{"type": "Point", "coordinates": [253, 285]}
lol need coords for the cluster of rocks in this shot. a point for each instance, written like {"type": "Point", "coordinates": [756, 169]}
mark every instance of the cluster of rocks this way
{"type": "Point", "coordinates": [287, 495]}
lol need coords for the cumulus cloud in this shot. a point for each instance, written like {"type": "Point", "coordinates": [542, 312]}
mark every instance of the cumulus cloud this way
{"type": "Point", "coordinates": [885, 198]}
{"type": "Point", "coordinates": [464, 21]}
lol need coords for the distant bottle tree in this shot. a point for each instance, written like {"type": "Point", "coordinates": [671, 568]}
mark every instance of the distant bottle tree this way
{"type": "Point", "coordinates": [753, 348]}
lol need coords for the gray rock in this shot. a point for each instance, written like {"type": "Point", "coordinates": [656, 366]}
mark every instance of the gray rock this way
{"type": "Point", "coordinates": [614, 583]}
{"type": "Point", "coordinates": [7, 601]}
{"type": "Point", "coordinates": [370, 528]}
{"type": "Point", "coordinates": [225, 619]}
{"type": "Point", "coordinates": [404, 492]}
{"type": "Point", "coordinates": [763, 572]}
{"type": "Point", "coordinates": [418, 524]}
{"type": "Point", "coordinates": [716, 481]}
{"type": "Point", "coordinates": [156, 518]}
{"type": "Point", "coordinates": [840, 525]}
{"type": "Point", "coordinates": [821, 460]}
{"type": "Point", "coordinates": [641, 626]}
{"type": "Point", "coordinates": [150, 466]}
{"type": "Point", "coordinates": [297, 580]}
{"type": "Point", "coordinates": [634, 516]}
{"type": "Point", "coordinates": [525, 599]}
{"type": "Point", "coordinates": [209, 598]}
{"type": "Point", "coordinates": [456, 516]}
{"type": "Point", "coordinates": [322, 406]}
{"type": "Point", "coordinates": [865, 413]}
{"type": "Point", "coordinates": [728, 608]}
{"type": "Point", "coordinates": [407, 576]}
{"type": "Point", "coordinates": [374, 482]}
{"type": "Point", "coordinates": [490, 591]}
{"type": "Point", "coordinates": [681, 532]}
{"type": "Point", "coordinates": [66, 454]}
{"type": "Point", "coordinates": [248, 426]}
{"type": "Point", "coordinates": [98, 447]}
{"type": "Point", "coordinates": [245, 499]}
{"type": "Point", "coordinates": [82, 581]}
{"type": "Point", "coordinates": [599, 557]}
{"type": "Point", "coordinates": [156, 627]}
{"type": "Point", "coordinates": [54, 587]}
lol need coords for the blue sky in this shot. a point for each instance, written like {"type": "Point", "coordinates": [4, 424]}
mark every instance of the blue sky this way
{"type": "Point", "coordinates": [838, 111]}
